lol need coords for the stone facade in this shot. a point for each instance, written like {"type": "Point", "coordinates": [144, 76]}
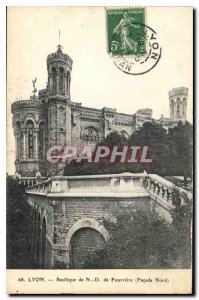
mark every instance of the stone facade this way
{"type": "Point", "coordinates": [68, 212]}
{"type": "Point", "coordinates": [51, 118]}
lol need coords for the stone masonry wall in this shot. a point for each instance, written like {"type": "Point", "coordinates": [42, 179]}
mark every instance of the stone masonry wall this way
{"type": "Point", "coordinates": [70, 211]}
{"type": "Point", "coordinates": [62, 214]}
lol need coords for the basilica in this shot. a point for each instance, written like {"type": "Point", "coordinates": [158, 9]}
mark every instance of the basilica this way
{"type": "Point", "coordinates": [52, 118]}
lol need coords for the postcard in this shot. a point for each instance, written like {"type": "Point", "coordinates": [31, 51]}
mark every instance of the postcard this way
{"type": "Point", "coordinates": [99, 150]}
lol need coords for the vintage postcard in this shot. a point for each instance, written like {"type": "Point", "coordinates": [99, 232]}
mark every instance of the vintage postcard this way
{"type": "Point", "coordinates": [99, 150]}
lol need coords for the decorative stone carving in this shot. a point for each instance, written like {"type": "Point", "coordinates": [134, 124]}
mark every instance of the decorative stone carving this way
{"type": "Point", "coordinates": [75, 117]}
{"type": "Point", "coordinates": [110, 121]}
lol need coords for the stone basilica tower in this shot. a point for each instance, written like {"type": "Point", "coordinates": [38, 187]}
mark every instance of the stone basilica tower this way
{"type": "Point", "coordinates": [178, 105]}
{"type": "Point", "coordinates": [44, 120]}
{"type": "Point", "coordinates": [59, 67]}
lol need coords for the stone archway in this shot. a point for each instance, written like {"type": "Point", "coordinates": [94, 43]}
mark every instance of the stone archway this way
{"type": "Point", "coordinates": [83, 240]}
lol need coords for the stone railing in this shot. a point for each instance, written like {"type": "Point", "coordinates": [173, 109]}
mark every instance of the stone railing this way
{"type": "Point", "coordinates": [163, 189]}
{"type": "Point", "coordinates": [30, 181]}
{"type": "Point", "coordinates": [141, 184]}
{"type": "Point", "coordinates": [125, 182]}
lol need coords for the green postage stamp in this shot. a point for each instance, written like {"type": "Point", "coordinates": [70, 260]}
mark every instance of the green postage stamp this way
{"type": "Point", "coordinates": [133, 46]}
{"type": "Point", "coordinates": [126, 31]}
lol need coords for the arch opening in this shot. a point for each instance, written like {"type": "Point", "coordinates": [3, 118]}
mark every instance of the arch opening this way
{"type": "Point", "coordinates": [184, 107]}
{"type": "Point", "coordinates": [89, 241]}
{"type": "Point", "coordinates": [54, 81]}
{"type": "Point", "coordinates": [18, 138]}
{"type": "Point", "coordinates": [61, 81]}
{"type": "Point", "coordinates": [30, 136]}
{"type": "Point", "coordinates": [90, 137]}
{"type": "Point", "coordinates": [68, 83]}
{"type": "Point", "coordinates": [124, 134]}
{"type": "Point", "coordinates": [85, 245]}
{"type": "Point", "coordinates": [178, 107]}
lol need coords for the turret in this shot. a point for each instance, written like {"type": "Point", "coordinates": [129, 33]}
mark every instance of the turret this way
{"type": "Point", "coordinates": [59, 66]}
{"type": "Point", "coordinates": [178, 104]}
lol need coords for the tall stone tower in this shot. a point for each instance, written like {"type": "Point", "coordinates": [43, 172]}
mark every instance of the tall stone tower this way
{"type": "Point", "coordinates": [59, 66]}
{"type": "Point", "coordinates": [178, 104]}
{"type": "Point", "coordinates": [30, 130]}
{"type": "Point", "coordinates": [44, 120]}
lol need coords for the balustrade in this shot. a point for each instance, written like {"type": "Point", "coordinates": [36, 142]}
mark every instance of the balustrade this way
{"type": "Point", "coordinates": [153, 184]}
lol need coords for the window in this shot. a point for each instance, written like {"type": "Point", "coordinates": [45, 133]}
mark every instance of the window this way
{"type": "Point", "coordinates": [124, 134]}
{"type": "Point", "coordinates": [18, 139]}
{"type": "Point", "coordinates": [68, 83]}
{"type": "Point", "coordinates": [30, 134]}
{"type": "Point", "coordinates": [90, 136]}
{"type": "Point", "coordinates": [54, 79]}
{"type": "Point", "coordinates": [178, 107]}
{"type": "Point", "coordinates": [41, 140]}
{"type": "Point", "coordinates": [61, 81]}
{"type": "Point", "coordinates": [184, 107]}
{"type": "Point", "coordinates": [172, 107]}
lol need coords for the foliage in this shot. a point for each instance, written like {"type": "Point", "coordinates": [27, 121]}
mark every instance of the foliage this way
{"type": "Point", "coordinates": [171, 152]}
{"type": "Point", "coordinates": [18, 230]}
{"type": "Point", "coordinates": [182, 223]}
{"type": "Point", "coordinates": [145, 240]}
{"type": "Point", "coordinates": [179, 156]}
{"type": "Point", "coordinates": [153, 135]}
{"type": "Point", "coordinates": [114, 139]}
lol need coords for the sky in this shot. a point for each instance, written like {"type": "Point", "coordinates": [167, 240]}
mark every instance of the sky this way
{"type": "Point", "coordinates": [33, 33]}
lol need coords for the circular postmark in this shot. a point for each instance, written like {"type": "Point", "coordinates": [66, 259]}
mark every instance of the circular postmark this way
{"type": "Point", "coordinates": [137, 51]}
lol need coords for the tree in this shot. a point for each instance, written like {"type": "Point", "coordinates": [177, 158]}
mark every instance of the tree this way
{"type": "Point", "coordinates": [182, 224]}
{"type": "Point", "coordinates": [104, 166]}
{"type": "Point", "coordinates": [171, 152]}
{"type": "Point", "coordinates": [18, 226]}
{"type": "Point", "coordinates": [152, 134]}
{"type": "Point", "coordinates": [179, 158]}
{"type": "Point", "coordinates": [114, 138]}
{"type": "Point", "coordinates": [145, 240]}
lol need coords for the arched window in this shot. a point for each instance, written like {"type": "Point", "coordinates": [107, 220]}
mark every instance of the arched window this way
{"type": "Point", "coordinates": [18, 138]}
{"type": "Point", "coordinates": [18, 126]}
{"type": "Point", "coordinates": [54, 81]}
{"type": "Point", "coordinates": [61, 81]}
{"type": "Point", "coordinates": [184, 107]}
{"type": "Point", "coordinates": [178, 107]}
{"type": "Point", "coordinates": [124, 134]}
{"type": "Point", "coordinates": [68, 83]}
{"type": "Point", "coordinates": [172, 107]}
{"type": "Point", "coordinates": [30, 136]}
{"type": "Point", "coordinates": [90, 136]}
{"type": "Point", "coordinates": [42, 140]}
